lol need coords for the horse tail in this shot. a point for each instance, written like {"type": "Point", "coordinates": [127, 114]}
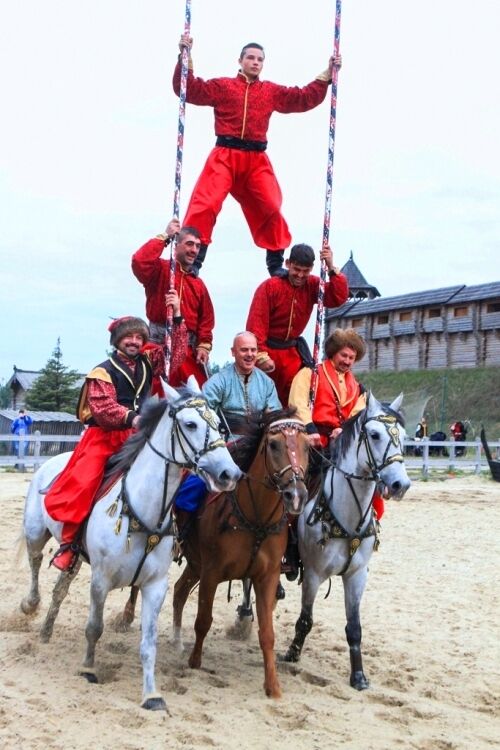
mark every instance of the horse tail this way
{"type": "Point", "coordinates": [19, 549]}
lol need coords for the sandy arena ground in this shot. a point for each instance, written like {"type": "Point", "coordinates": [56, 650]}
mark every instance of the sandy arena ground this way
{"type": "Point", "coordinates": [430, 635]}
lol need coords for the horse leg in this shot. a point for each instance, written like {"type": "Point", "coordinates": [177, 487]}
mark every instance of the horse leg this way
{"type": "Point", "coordinates": [124, 620]}
{"type": "Point", "coordinates": [153, 596]}
{"type": "Point", "coordinates": [182, 589]}
{"type": "Point", "coordinates": [206, 594]}
{"type": "Point", "coordinates": [241, 630]}
{"type": "Point", "coordinates": [310, 586]}
{"type": "Point", "coordinates": [35, 556]}
{"type": "Point", "coordinates": [59, 593]}
{"type": "Point", "coordinates": [354, 586]}
{"type": "Point", "coordinates": [95, 626]}
{"type": "Point", "coordinates": [265, 596]}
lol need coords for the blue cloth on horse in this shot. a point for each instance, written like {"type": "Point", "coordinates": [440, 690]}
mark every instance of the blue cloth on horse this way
{"type": "Point", "coordinates": [191, 493]}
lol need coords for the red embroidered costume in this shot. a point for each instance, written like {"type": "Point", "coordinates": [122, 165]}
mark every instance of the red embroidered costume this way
{"type": "Point", "coordinates": [109, 402]}
{"type": "Point", "coordinates": [196, 308]}
{"type": "Point", "coordinates": [278, 314]}
{"type": "Point", "coordinates": [238, 164]}
{"type": "Point", "coordinates": [338, 396]}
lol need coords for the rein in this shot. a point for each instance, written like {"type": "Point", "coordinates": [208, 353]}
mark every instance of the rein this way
{"type": "Point", "coordinates": [155, 535]}
{"type": "Point", "coordinates": [272, 481]}
{"type": "Point", "coordinates": [331, 526]}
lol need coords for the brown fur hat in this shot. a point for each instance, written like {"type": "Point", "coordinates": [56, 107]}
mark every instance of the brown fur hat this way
{"type": "Point", "coordinates": [341, 337]}
{"type": "Point", "coordinates": [120, 327]}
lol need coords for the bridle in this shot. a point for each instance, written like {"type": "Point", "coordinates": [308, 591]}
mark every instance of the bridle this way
{"type": "Point", "coordinates": [289, 429]}
{"type": "Point", "coordinates": [390, 423]}
{"type": "Point", "coordinates": [179, 439]}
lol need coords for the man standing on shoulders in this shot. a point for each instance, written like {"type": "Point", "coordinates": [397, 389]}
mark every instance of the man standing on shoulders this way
{"type": "Point", "coordinates": [281, 308]}
{"type": "Point", "coordinates": [192, 307]}
{"type": "Point", "coordinates": [108, 406]}
{"type": "Point", "coordinates": [238, 164]}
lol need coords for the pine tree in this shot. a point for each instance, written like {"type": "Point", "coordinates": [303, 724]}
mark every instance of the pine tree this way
{"type": "Point", "coordinates": [54, 389]}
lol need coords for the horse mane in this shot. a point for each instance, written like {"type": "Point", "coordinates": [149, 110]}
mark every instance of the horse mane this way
{"type": "Point", "coordinates": [151, 413]}
{"type": "Point", "coordinates": [352, 426]}
{"type": "Point", "coordinates": [251, 428]}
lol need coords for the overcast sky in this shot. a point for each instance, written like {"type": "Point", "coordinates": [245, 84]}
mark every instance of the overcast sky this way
{"type": "Point", "coordinates": [88, 145]}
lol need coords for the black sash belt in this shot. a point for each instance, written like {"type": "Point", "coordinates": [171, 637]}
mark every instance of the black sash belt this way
{"type": "Point", "coordinates": [299, 343]}
{"type": "Point", "coordinates": [230, 141]}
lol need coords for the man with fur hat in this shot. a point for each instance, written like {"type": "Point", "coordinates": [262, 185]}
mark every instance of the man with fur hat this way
{"type": "Point", "coordinates": [192, 307]}
{"type": "Point", "coordinates": [108, 406]}
{"type": "Point", "coordinates": [338, 394]}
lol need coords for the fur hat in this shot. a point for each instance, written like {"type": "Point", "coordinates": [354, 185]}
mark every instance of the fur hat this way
{"type": "Point", "coordinates": [120, 327]}
{"type": "Point", "coordinates": [341, 337]}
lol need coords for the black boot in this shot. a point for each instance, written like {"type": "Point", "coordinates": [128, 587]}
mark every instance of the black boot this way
{"type": "Point", "coordinates": [292, 558]}
{"type": "Point", "coordinates": [274, 263]}
{"type": "Point", "coordinates": [195, 268]}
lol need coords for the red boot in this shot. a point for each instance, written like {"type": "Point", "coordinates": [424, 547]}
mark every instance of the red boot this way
{"type": "Point", "coordinates": [67, 554]}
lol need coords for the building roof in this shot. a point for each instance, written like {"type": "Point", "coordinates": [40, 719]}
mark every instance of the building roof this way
{"type": "Point", "coordinates": [357, 281]}
{"type": "Point", "coordinates": [26, 379]}
{"type": "Point", "coordinates": [40, 416]}
{"type": "Point", "coordinates": [442, 296]}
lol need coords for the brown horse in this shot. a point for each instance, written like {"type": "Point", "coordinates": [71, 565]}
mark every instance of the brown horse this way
{"type": "Point", "coordinates": [243, 535]}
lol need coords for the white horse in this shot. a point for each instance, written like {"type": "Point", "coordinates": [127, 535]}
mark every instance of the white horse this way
{"type": "Point", "coordinates": [129, 534]}
{"type": "Point", "coordinates": [338, 533]}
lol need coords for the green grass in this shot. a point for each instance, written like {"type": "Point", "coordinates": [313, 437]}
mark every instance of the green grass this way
{"type": "Point", "coordinates": [461, 394]}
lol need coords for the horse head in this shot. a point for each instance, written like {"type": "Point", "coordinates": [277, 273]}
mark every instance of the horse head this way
{"type": "Point", "coordinates": [286, 456]}
{"type": "Point", "coordinates": [195, 440]}
{"type": "Point", "coordinates": [381, 437]}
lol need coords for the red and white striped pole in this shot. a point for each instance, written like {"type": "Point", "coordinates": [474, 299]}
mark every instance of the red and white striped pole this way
{"type": "Point", "coordinates": [328, 206]}
{"type": "Point", "coordinates": [178, 175]}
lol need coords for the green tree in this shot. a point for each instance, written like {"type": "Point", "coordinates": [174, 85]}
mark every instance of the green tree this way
{"type": "Point", "coordinates": [54, 389]}
{"type": "Point", "coordinates": [5, 396]}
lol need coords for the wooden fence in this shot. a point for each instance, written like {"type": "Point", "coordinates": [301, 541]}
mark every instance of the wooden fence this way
{"type": "Point", "coordinates": [35, 449]}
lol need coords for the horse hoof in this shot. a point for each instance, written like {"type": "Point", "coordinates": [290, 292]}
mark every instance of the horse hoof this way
{"type": "Point", "coordinates": [194, 663]}
{"type": "Point", "coordinates": [273, 692]}
{"type": "Point", "coordinates": [89, 676]}
{"type": "Point", "coordinates": [28, 607]}
{"type": "Point", "coordinates": [359, 681]}
{"type": "Point", "coordinates": [154, 704]}
{"type": "Point", "coordinates": [45, 635]}
{"type": "Point", "coordinates": [292, 655]}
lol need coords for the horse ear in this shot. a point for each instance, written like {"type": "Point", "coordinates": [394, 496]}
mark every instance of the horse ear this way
{"type": "Point", "coordinates": [169, 392]}
{"type": "Point", "coordinates": [193, 384]}
{"type": "Point", "coordinates": [396, 404]}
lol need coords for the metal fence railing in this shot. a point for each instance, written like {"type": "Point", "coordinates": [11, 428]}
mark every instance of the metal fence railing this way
{"type": "Point", "coordinates": [421, 456]}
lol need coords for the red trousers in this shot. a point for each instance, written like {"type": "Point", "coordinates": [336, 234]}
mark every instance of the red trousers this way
{"type": "Point", "coordinates": [288, 363]}
{"type": "Point", "coordinates": [189, 366]}
{"type": "Point", "coordinates": [71, 496]}
{"type": "Point", "coordinates": [249, 177]}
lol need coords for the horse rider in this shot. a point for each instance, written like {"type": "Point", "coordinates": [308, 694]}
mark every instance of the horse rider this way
{"type": "Point", "coordinates": [238, 164]}
{"type": "Point", "coordinates": [281, 308]}
{"type": "Point", "coordinates": [238, 390]}
{"type": "Point", "coordinates": [193, 311]}
{"type": "Point", "coordinates": [108, 405]}
{"type": "Point", "coordinates": [338, 396]}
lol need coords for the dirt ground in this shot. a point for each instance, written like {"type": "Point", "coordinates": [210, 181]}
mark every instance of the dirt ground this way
{"type": "Point", "coordinates": [430, 635]}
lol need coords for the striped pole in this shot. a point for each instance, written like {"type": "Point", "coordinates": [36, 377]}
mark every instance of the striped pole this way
{"type": "Point", "coordinates": [178, 175]}
{"type": "Point", "coordinates": [328, 207]}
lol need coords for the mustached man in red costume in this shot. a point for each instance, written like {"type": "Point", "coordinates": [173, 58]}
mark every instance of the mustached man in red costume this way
{"type": "Point", "coordinates": [281, 308]}
{"type": "Point", "coordinates": [238, 164]}
{"type": "Point", "coordinates": [108, 406]}
{"type": "Point", "coordinates": [194, 318]}
{"type": "Point", "coordinates": [338, 395]}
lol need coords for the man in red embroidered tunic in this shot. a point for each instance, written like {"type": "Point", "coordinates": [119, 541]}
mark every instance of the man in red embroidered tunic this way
{"type": "Point", "coordinates": [238, 164]}
{"type": "Point", "coordinates": [281, 308]}
{"type": "Point", "coordinates": [109, 405]}
{"type": "Point", "coordinates": [193, 310]}
{"type": "Point", "coordinates": [338, 394]}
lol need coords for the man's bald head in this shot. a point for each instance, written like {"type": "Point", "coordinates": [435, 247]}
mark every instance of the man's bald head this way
{"type": "Point", "coordinates": [244, 351]}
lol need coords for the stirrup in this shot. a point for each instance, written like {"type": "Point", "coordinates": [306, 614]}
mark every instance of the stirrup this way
{"type": "Point", "coordinates": [65, 547]}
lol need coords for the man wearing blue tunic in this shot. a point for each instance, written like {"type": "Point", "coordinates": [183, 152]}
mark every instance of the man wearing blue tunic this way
{"type": "Point", "coordinates": [238, 390]}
